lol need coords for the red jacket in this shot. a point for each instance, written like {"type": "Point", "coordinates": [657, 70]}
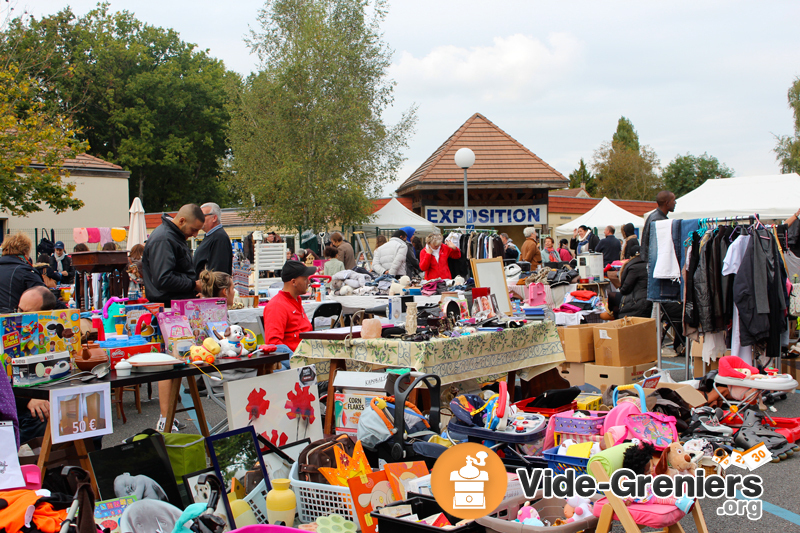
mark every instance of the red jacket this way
{"type": "Point", "coordinates": [284, 320]}
{"type": "Point", "coordinates": [437, 269]}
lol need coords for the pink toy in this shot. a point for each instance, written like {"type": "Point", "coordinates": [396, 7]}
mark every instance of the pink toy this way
{"type": "Point", "coordinates": [577, 508]}
{"type": "Point", "coordinates": [529, 516]}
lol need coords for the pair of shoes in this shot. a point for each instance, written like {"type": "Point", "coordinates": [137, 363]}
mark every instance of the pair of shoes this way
{"type": "Point", "coordinates": [176, 425]}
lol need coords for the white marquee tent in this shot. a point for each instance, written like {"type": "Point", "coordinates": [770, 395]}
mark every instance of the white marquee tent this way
{"type": "Point", "coordinates": [605, 213]}
{"type": "Point", "coordinates": [395, 215]}
{"type": "Point", "coordinates": [772, 197]}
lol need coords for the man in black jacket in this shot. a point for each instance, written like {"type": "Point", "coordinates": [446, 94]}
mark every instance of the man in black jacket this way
{"type": "Point", "coordinates": [215, 252]}
{"type": "Point", "coordinates": [16, 272]}
{"type": "Point", "coordinates": [167, 266]}
{"type": "Point", "coordinates": [609, 247]}
{"type": "Point", "coordinates": [62, 263]}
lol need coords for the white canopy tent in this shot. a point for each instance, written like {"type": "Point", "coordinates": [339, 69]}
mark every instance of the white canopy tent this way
{"type": "Point", "coordinates": [605, 213]}
{"type": "Point", "coordinates": [395, 215]}
{"type": "Point", "coordinates": [772, 197]}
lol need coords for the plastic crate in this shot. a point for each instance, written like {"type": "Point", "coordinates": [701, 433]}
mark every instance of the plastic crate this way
{"type": "Point", "coordinates": [561, 463]}
{"type": "Point", "coordinates": [257, 500]}
{"type": "Point", "coordinates": [550, 509]}
{"type": "Point", "coordinates": [592, 425]}
{"type": "Point", "coordinates": [422, 506]}
{"type": "Point", "coordinates": [523, 406]}
{"type": "Point", "coordinates": [316, 499]}
{"type": "Point", "coordinates": [589, 401]}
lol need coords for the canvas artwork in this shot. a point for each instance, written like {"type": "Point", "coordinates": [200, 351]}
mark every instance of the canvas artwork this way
{"type": "Point", "coordinates": [370, 492]}
{"type": "Point", "coordinates": [201, 493]}
{"type": "Point", "coordinates": [282, 407]}
{"type": "Point", "coordinates": [200, 312]}
{"type": "Point", "coordinates": [399, 474]}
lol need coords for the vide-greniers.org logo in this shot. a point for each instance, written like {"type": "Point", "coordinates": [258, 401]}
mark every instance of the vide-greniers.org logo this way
{"type": "Point", "coordinates": [625, 484]}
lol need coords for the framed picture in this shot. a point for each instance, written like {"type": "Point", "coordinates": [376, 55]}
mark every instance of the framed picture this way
{"type": "Point", "coordinates": [236, 456]}
{"type": "Point", "coordinates": [279, 461]}
{"type": "Point", "coordinates": [141, 469]}
{"type": "Point", "coordinates": [80, 412]}
{"type": "Point", "coordinates": [200, 493]}
{"type": "Point", "coordinates": [490, 273]}
{"type": "Point", "coordinates": [282, 407]}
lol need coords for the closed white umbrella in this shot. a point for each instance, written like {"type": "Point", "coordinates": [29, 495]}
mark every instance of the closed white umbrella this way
{"type": "Point", "coordinates": [137, 228]}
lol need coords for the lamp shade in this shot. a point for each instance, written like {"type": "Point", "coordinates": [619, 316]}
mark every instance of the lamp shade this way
{"type": "Point", "coordinates": [465, 158]}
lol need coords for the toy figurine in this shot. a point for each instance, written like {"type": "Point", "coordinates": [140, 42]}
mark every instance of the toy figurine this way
{"type": "Point", "coordinates": [250, 342]}
{"type": "Point", "coordinates": [577, 508]}
{"type": "Point", "coordinates": [529, 516]}
{"type": "Point", "coordinates": [207, 353]}
{"type": "Point", "coordinates": [231, 342]}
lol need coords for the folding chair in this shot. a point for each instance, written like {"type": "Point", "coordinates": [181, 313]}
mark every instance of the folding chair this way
{"type": "Point", "coordinates": [328, 309]}
{"type": "Point", "coordinates": [664, 517]}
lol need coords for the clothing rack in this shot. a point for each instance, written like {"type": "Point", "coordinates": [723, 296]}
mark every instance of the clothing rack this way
{"type": "Point", "coordinates": [465, 230]}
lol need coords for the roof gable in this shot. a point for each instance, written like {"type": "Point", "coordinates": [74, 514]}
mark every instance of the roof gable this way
{"type": "Point", "coordinates": [500, 160]}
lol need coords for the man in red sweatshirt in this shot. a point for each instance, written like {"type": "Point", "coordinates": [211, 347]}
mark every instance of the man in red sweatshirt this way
{"type": "Point", "coordinates": [284, 318]}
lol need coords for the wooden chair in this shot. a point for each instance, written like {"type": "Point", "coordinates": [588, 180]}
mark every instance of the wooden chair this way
{"type": "Point", "coordinates": [601, 466]}
{"type": "Point", "coordinates": [116, 399]}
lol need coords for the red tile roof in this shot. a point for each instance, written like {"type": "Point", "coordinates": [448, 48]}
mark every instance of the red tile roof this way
{"type": "Point", "coordinates": [90, 162]}
{"type": "Point", "coordinates": [500, 160]}
{"type": "Point", "coordinates": [568, 192]}
{"type": "Point", "coordinates": [381, 202]}
{"type": "Point", "coordinates": [568, 204]}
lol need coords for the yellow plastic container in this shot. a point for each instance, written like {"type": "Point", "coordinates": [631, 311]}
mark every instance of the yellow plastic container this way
{"type": "Point", "coordinates": [588, 401]}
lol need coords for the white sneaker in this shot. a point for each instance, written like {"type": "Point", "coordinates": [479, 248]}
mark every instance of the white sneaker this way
{"type": "Point", "coordinates": [162, 425]}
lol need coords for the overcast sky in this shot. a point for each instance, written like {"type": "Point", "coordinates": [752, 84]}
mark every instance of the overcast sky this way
{"type": "Point", "coordinates": [699, 76]}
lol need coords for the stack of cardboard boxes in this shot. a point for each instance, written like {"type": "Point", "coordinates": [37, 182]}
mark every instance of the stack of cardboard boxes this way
{"type": "Point", "coordinates": [616, 352]}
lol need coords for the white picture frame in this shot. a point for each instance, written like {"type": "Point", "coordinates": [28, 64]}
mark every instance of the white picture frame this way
{"type": "Point", "coordinates": [80, 412]}
{"type": "Point", "coordinates": [491, 274]}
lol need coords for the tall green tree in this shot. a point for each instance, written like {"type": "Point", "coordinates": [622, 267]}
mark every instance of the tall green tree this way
{"type": "Point", "coordinates": [624, 169]}
{"type": "Point", "coordinates": [687, 172]}
{"type": "Point", "coordinates": [787, 149]}
{"type": "Point", "coordinates": [582, 177]}
{"type": "Point", "coordinates": [143, 98]}
{"type": "Point", "coordinates": [310, 147]}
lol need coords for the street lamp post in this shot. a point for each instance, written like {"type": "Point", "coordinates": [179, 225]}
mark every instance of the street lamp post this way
{"type": "Point", "coordinates": [465, 158]}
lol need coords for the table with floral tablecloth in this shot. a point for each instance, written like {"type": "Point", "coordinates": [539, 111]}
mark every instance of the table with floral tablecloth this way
{"type": "Point", "coordinates": [528, 351]}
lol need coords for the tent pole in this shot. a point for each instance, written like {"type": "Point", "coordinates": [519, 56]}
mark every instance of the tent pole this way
{"type": "Point", "coordinates": [659, 328]}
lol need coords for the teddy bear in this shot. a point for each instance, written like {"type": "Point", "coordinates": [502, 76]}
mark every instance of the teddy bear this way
{"type": "Point", "coordinates": [577, 508]}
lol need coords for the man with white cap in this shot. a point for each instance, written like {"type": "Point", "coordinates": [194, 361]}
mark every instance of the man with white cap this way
{"type": "Point", "coordinates": [62, 263]}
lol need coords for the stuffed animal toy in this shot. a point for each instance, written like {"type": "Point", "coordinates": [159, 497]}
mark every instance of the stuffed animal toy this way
{"type": "Point", "coordinates": [347, 290]}
{"type": "Point", "coordinates": [207, 353]}
{"type": "Point", "coordinates": [675, 460]}
{"type": "Point", "coordinates": [231, 342]}
{"type": "Point", "coordinates": [639, 459]}
{"type": "Point", "coordinates": [529, 516]}
{"type": "Point", "coordinates": [577, 508]}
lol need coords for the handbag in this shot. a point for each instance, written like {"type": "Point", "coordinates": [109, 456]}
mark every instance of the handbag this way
{"type": "Point", "coordinates": [187, 453]}
{"type": "Point", "coordinates": [655, 428]}
{"type": "Point", "coordinates": [536, 295]}
{"type": "Point", "coordinates": [321, 454]}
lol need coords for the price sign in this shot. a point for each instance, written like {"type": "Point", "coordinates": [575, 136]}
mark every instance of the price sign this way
{"type": "Point", "coordinates": [757, 456]}
{"type": "Point", "coordinates": [723, 459]}
{"type": "Point", "coordinates": [79, 412]}
{"type": "Point", "coordinates": [737, 460]}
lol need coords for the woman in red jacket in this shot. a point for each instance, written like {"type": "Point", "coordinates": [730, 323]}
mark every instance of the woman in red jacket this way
{"type": "Point", "coordinates": [433, 258]}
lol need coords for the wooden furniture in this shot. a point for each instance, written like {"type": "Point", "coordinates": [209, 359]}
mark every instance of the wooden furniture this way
{"type": "Point", "coordinates": [86, 263]}
{"type": "Point", "coordinates": [117, 397]}
{"type": "Point", "coordinates": [263, 364]}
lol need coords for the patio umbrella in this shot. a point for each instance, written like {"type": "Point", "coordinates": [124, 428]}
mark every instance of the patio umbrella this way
{"type": "Point", "coordinates": [137, 231]}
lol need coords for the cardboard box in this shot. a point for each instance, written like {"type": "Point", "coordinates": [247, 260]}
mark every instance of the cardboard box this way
{"type": "Point", "coordinates": [690, 395]}
{"type": "Point", "coordinates": [697, 367]}
{"type": "Point", "coordinates": [599, 375]}
{"type": "Point", "coordinates": [38, 369]}
{"type": "Point", "coordinates": [613, 278]}
{"type": "Point", "coordinates": [348, 409]}
{"type": "Point", "coordinates": [630, 341]}
{"type": "Point", "coordinates": [578, 342]}
{"type": "Point", "coordinates": [574, 373]}
{"type": "Point", "coordinates": [43, 332]}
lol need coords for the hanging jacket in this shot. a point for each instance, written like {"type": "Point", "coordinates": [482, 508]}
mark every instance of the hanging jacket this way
{"type": "Point", "coordinates": [633, 287]}
{"type": "Point", "coordinates": [434, 268]}
{"type": "Point", "coordinates": [690, 311]}
{"type": "Point", "coordinates": [701, 288]}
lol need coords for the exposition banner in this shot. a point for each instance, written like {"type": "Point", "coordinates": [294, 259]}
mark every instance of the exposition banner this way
{"type": "Point", "coordinates": [521, 215]}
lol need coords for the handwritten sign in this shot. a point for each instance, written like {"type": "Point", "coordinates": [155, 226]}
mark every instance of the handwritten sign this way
{"type": "Point", "coordinates": [80, 412]}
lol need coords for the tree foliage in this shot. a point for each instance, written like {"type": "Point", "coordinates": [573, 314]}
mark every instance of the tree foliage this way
{"type": "Point", "coordinates": [787, 149]}
{"type": "Point", "coordinates": [33, 146]}
{"type": "Point", "coordinates": [624, 169]}
{"type": "Point", "coordinates": [626, 135]}
{"type": "Point", "coordinates": [142, 97]}
{"type": "Point", "coordinates": [309, 145]}
{"type": "Point", "coordinates": [687, 172]}
{"type": "Point", "coordinates": [581, 175]}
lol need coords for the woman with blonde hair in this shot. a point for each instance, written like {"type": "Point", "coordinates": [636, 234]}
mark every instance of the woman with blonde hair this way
{"type": "Point", "coordinates": [433, 258]}
{"type": "Point", "coordinates": [217, 285]}
{"type": "Point", "coordinates": [16, 272]}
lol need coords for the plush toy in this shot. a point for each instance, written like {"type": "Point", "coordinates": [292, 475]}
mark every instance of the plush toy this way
{"type": "Point", "coordinates": [675, 460]}
{"type": "Point", "coordinates": [207, 353]}
{"type": "Point", "coordinates": [347, 290]}
{"type": "Point", "coordinates": [529, 516]}
{"type": "Point", "coordinates": [577, 508]}
{"type": "Point", "coordinates": [231, 342]}
{"type": "Point", "coordinates": [639, 459]}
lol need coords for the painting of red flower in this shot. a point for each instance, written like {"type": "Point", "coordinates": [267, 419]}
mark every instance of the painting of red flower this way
{"type": "Point", "coordinates": [276, 439]}
{"type": "Point", "coordinates": [257, 404]}
{"type": "Point", "coordinates": [299, 406]}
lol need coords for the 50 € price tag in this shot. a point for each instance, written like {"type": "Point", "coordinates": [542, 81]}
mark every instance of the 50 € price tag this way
{"type": "Point", "coordinates": [757, 456]}
{"type": "Point", "coordinates": [737, 460]}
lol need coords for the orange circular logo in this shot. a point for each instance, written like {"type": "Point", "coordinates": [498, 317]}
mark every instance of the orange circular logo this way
{"type": "Point", "coordinates": [469, 481]}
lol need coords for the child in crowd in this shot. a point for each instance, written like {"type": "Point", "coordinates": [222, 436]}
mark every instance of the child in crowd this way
{"type": "Point", "coordinates": [332, 265]}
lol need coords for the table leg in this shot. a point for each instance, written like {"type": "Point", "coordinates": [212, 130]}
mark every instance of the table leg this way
{"type": "Point", "coordinates": [198, 407]}
{"type": "Point", "coordinates": [175, 394]}
{"type": "Point", "coordinates": [83, 456]}
{"type": "Point", "coordinates": [511, 380]}
{"type": "Point", "coordinates": [44, 454]}
{"type": "Point", "coordinates": [265, 369]}
{"type": "Point", "coordinates": [336, 365]}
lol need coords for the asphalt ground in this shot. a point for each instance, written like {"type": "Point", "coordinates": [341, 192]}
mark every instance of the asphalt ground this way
{"type": "Point", "coordinates": [780, 501]}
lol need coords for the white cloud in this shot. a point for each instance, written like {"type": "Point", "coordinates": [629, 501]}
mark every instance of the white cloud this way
{"type": "Point", "coordinates": [510, 69]}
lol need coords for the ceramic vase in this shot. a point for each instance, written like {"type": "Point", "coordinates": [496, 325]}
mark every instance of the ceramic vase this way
{"type": "Point", "coordinates": [281, 503]}
{"type": "Point", "coordinates": [411, 318]}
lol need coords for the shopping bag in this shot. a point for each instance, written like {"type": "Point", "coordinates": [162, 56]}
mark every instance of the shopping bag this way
{"type": "Point", "coordinates": [662, 374]}
{"type": "Point", "coordinates": [11, 472]}
{"type": "Point", "coordinates": [187, 453]}
{"type": "Point", "coordinates": [536, 295]}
